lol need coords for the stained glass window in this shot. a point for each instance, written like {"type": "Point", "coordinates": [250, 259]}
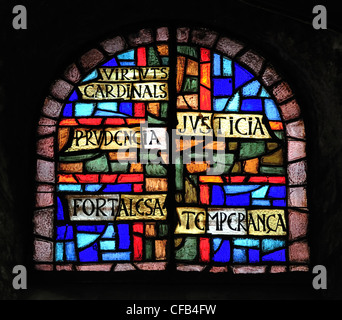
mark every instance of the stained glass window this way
{"type": "Point", "coordinates": [155, 148]}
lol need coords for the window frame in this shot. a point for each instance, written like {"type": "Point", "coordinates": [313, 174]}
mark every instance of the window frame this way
{"type": "Point", "coordinates": [199, 36]}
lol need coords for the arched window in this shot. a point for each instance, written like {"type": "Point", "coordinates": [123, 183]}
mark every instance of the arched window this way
{"type": "Point", "coordinates": [161, 146]}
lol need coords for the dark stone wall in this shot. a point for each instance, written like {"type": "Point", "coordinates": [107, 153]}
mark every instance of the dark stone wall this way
{"type": "Point", "coordinates": [58, 32]}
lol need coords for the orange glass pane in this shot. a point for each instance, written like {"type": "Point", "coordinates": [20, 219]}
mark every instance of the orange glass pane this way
{"type": "Point", "coordinates": [180, 72]}
{"type": "Point", "coordinates": [192, 68]}
{"type": "Point", "coordinates": [163, 49]}
{"type": "Point", "coordinates": [205, 98]}
{"type": "Point", "coordinates": [276, 125]}
{"type": "Point", "coordinates": [212, 179]}
{"type": "Point", "coordinates": [251, 166]}
{"type": "Point", "coordinates": [205, 74]}
{"type": "Point", "coordinates": [68, 122]}
{"type": "Point", "coordinates": [66, 178]}
{"type": "Point", "coordinates": [134, 121]}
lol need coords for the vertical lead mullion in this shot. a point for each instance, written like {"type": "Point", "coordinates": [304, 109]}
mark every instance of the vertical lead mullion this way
{"type": "Point", "coordinates": [172, 120]}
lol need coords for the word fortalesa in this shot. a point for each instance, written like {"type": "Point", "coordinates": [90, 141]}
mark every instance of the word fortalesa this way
{"type": "Point", "coordinates": [110, 207]}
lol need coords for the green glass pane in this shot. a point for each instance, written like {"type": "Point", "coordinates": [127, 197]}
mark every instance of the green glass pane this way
{"type": "Point", "coordinates": [152, 57]}
{"type": "Point", "coordinates": [250, 150]}
{"type": "Point", "coordinates": [272, 170]}
{"type": "Point", "coordinates": [179, 173]}
{"type": "Point", "coordinates": [194, 179]}
{"type": "Point", "coordinates": [189, 249]}
{"type": "Point", "coordinates": [188, 51]}
{"type": "Point", "coordinates": [162, 230]}
{"type": "Point", "coordinates": [97, 165]}
{"type": "Point", "coordinates": [279, 134]}
{"type": "Point", "coordinates": [119, 167]}
{"type": "Point", "coordinates": [163, 109]}
{"type": "Point", "coordinates": [148, 249]}
{"type": "Point", "coordinates": [79, 157]}
{"type": "Point", "coordinates": [190, 84]}
{"type": "Point", "coordinates": [155, 170]}
{"type": "Point", "coordinates": [154, 120]}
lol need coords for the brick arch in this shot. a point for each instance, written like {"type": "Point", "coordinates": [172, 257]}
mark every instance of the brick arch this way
{"type": "Point", "coordinates": [61, 89]}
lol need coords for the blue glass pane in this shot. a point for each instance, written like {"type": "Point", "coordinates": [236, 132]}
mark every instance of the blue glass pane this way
{"type": "Point", "coordinates": [121, 187]}
{"type": "Point", "coordinates": [264, 93]}
{"type": "Point", "coordinates": [69, 235]}
{"type": "Point", "coordinates": [113, 256]}
{"type": "Point", "coordinates": [73, 96]}
{"type": "Point", "coordinates": [107, 245]}
{"type": "Point", "coordinates": [100, 228]}
{"type": "Point", "coordinates": [70, 251]}
{"type": "Point", "coordinates": [89, 254]}
{"type": "Point", "coordinates": [253, 255]}
{"type": "Point", "coordinates": [234, 103]}
{"type": "Point", "coordinates": [272, 244]}
{"type": "Point", "coordinates": [60, 233]}
{"type": "Point", "coordinates": [92, 187]}
{"type": "Point", "coordinates": [60, 211]}
{"type": "Point", "coordinates": [216, 243]}
{"type": "Point", "coordinates": [219, 103]}
{"type": "Point", "coordinates": [238, 200]}
{"type": "Point", "coordinates": [233, 189]}
{"type": "Point", "coordinates": [277, 192]}
{"type": "Point", "coordinates": [246, 242]}
{"type": "Point", "coordinates": [217, 195]}
{"type": "Point", "coordinates": [223, 253]}
{"type": "Point", "coordinates": [91, 76]}
{"type": "Point", "coordinates": [241, 75]}
{"type": "Point", "coordinates": [67, 112]}
{"type": "Point", "coordinates": [84, 239]}
{"type": "Point", "coordinates": [123, 235]}
{"type": "Point", "coordinates": [260, 193]}
{"type": "Point", "coordinates": [271, 110]}
{"type": "Point", "coordinates": [227, 67]}
{"type": "Point", "coordinates": [261, 202]}
{"type": "Point", "coordinates": [126, 107]}
{"type": "Point", "coordinates": [84, 109]}
{"type": "Point", "coordinates": [59, 251]}
{"type": "Point", "coordinates": [165, 61]}
{"type": "Point", "coordinates": [108, 106]}
{"type": "Point", "coordinates": [110, 63]}
{"type": "Point", "coordinates": [275, 256]}
{"type": "Point", "coordinates": [109, 233]}
{"type": "Point", "coordinates": [251, 105]}
{"type": "Point", "coordinates": [239, 255]}
{"type": "Point", "coordinates": [128, 55]}
{"type": "Point", "coordinates": [101, 113]}
{"type": "Point", "coordinates": [222, 87]}
{"type": "Point", "coordinates": [127, 63]}
{"type": "Point", "coordinates": [217, 64]}
{"type": "Point", "coordinates": [69, 187]}
{"type": "Point", "coordinates": [279, 203]}
{"type": "Point", "coordinates": [94, 228]}
{"type": "Point", "coordinates": [251, 89]}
